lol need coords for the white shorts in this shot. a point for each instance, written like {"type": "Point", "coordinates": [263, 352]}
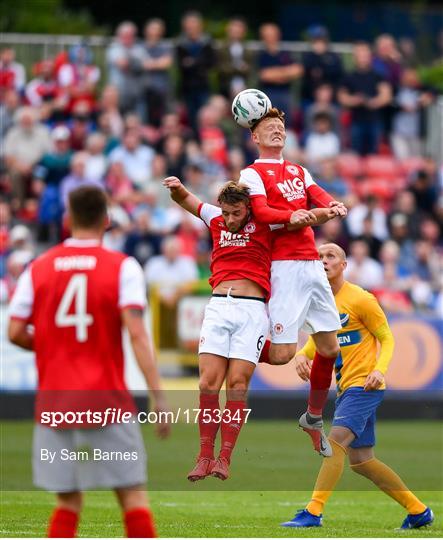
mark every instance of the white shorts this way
{"type": "Point", "coordinates": [79, 459]}
{"type": "Point", "coordinates": [234, 328]}
{"type": "Point", "coordinates": [301, 298]}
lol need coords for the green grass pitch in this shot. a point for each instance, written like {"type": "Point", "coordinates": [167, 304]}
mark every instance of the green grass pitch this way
{"type": "Point", "coordinates": [273, 472]}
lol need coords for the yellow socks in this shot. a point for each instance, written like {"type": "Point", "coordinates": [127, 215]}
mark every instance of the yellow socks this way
{"type": "Point", "coordinates": [389, 482]}
{"type": "Point", "coordinates": [330, 473]}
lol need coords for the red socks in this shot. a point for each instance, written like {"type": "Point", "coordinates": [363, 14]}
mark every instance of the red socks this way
{"type": "Point", "coordinates": [321, 377]}
{"type": "Point", "coordinates": [234, 410]}
{"type": "Point", "coordinates": [63, 524]}
{"type": "Point", "coordinates": [139, 523]}
{"type": "Point", "coordinates": [209, 407]}
{"type": "Point", "coordinates": [264, 356]}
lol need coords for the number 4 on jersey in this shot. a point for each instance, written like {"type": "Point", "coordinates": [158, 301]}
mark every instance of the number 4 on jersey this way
{"type": "Point", "coordinates": [76, 290]}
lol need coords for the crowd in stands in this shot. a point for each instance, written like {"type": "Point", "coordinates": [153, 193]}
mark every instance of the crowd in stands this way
{"type": "Point", "coordinates": [163, 108]}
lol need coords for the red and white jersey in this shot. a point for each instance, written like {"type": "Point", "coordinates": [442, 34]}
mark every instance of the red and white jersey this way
{"type": "Point", "coordinates": [242, 255]}
{"type": "Point", "coordinates": [73, 295]}
{"type": "Point", "coordinates": [288, 187]}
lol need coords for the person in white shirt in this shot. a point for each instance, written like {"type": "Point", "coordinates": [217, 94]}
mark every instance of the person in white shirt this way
{"type": "Point", "coordinates": [136, 158]}
{"type": "Point", "coordinates": [97, 163]}
{"type": "Point", "coordinates": [322, 142]}
{"type": "Point", "coordinates": [361, 269]}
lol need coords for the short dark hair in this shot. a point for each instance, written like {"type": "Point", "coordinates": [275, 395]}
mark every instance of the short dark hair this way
{"type": "Point", "coordinates": [272, 113]}
{"type": "Point", "coordinates": [322, 116]}
{"type": "Point", "coordinates": [233, 193]}
{"type": "Point", "coordinates": [87, 207]}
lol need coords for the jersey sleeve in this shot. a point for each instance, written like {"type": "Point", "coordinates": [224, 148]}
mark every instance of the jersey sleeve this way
{"type": "Point", "coordinates": [317, 195]}
{"type": "Point", "coordinates": [252, 179]}
{"type": "Point", "coordinates": [22, 300]}
{"type": "Point", "coordinates": [208, 212]}
{"type": "Point", "coordinates": [132, 288]}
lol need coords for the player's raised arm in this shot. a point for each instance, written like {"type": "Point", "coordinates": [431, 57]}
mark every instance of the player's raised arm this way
{"type": "Point", "coordinates": [182, 196]}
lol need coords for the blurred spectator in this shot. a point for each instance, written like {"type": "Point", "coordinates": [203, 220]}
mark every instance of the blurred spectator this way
{"type": "Point", "coordinates": [211, 136]}
{"type": "Point", "coordinates": [404, 204]}
{"type": "Point", "coordinates": [332, 231]}
{"type": "Point", "coordinates": [277, 70]}
{"type": "Point", "coordinates": [171, 125]}
{"type": "Point", "coordinates": [174, 151]}
{"type": "Point", "coordinates": [321, 143]}
{"type": "Point", "coordinates": [371, 209]}
{"type": "Point", "coordinates": [97, 162]}
{"type": "Point", "coordinates": [48, 175]}
{"type": "Point", "coordinates": [20, 240]}
{"type": "Point", "coordinates": [321, 65]}
{"type": "Point", "coordinates": [411, 99]}
{"type": "Point", "coordinates": [15, 264]}
{"type": "Point", "coordinates": [426, 275]}
{"type": "Point", "coordinates": [77, 177]}
{"type": "Point", "coordinates": [43, 92]}
{"type": "Point", "coordinates": [399, 233]}
{"type": "Point", "coordinates": [323, 103]}
{"type": "Point", "coordinates": [120, 187]}
{"type": "Point", "coordinates": [81, 125]}
{"type": "Point", "coordinates": [408, 51]}
{"type": "Point", "coordinates": [12, 74]}
{"type": "Point", "coordinates": [424, 189]}
{"type": "Point", "coordinates": [79, 77]}
{"type": "Point", "coordinates": [387, 61]}
{"type": "Point", "coordinates": [8, 108]}
{"type": "Point", "coordinates": [361, 269]}
{"type": "Point", "coordinates": [142, 242]}
{"type": "Point", "coordinates": [105, 128]}
{"type": "Point", "coordinates": [235, 62]}
{"type": "Point", "coordinates": [125, 64]}
{"type": "Point", "coordinates": [364, 92]}
{"type": "Point", "coordinates": [136, 158]}
{"type": "Point", "coordinates": [24, 145]}
{"type": "Point", "coordinates": [329, 179]}
{"type": "Point", "coordinates": [109, 106]}
{"type": "Point", "coordinates": [195, 58]}
{"type": "Point", "coordinates": [368, 236]}
{"type": "Point", "coordinates": [157, 62]}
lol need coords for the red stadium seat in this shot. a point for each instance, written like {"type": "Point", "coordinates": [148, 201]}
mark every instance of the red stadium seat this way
{"type": "Point", "coordinates": [377, 166]}
{"type": "Point", "coordinates": [383, 189]}
{"type": "Point", "coordinates": [350, 165]}
{"type": "Point", "coordinates": [410, 165]}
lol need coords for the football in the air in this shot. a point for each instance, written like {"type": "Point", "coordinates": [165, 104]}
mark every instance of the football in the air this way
{"type": "Point", "coordinates": [249, 106]}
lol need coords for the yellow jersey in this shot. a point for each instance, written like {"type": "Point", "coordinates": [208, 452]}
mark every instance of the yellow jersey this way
{"type": "Point", "coordinates": [363, 323]}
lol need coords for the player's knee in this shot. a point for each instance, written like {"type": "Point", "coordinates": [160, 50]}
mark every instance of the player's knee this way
{"type": "Point", "coordinates": [278, 356]}
{"type": "Point", "coordinates": [237, 384]}
{"type": "Point", "coordinates": [330, 350]}
{"type": "Point", "coordinates": [208, 385]}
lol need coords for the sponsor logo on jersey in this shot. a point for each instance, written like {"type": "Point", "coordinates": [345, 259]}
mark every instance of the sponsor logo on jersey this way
{"type": "Point", "coordinates": [349, 338]}
{"type": "Point", "coordinates": [344, 319]}
{"type": "Point", "coordinates": [228, 239]}
{"type": "Point", "coordinates": [292, 189]}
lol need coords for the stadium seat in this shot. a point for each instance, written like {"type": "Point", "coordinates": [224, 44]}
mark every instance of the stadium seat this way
{"type": "Point", "coordinates": [350, 165]}
{"type": "Point", "coordinates": [383, 189]}
{"type": "Point", "coordinates": [377, 166]}
{"type": "Point", "coordinates": [410, 165]}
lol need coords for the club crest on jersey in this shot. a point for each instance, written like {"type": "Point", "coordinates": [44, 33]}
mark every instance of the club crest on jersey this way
{"type": "Point", "coordinates": [229, 239]}
{"type": "Point", "coordinates": [249, 227]}
{"type": "Point", "coordinates": [292, 188]}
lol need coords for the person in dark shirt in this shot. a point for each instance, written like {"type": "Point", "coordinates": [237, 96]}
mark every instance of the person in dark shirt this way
{"type": "Point", "coordinates": [321, 65]}
{"type": "Point", "coordinates": [365, 93]}
{"type": "Point", "coordinates": [195, 58]}
{"type": "Point", "coordinates": [277, 70]}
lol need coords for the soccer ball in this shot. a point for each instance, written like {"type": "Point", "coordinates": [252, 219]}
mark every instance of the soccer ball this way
{"type": "Point", "coordinates": [249, 106]}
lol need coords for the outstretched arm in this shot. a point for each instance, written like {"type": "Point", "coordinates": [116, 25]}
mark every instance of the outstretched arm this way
{"type": "Point", "coordinates": [182, 196]}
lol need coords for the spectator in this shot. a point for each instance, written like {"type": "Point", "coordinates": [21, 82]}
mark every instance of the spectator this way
{"type": "Point", "coordinates": [235, 61]}
{"type": "Point", "coordinates": [48, 175]}
{"type": "Point", "coordinates": [399, 233]}
{"type": "Point", "coordinates": [77, 177]}
{"type": "Point", "coordinates": [174, 151]}
{"type": "Point", "coordinates": [109, 106]}
{"type": "Point", "coordinates": [330, 180]}
{"type": "Point", "coordinates": [81, 125]}
{"type": "Point", "coordinates": [97, 163]}
{"type": "Point", "coordinates": [361, 269]}
{"type": "Point", "coordinates": [411, 100]}
{"type": "Point", "coordinates": [125, 64]}
{"type": "Point", "coordinates": [320, 64]}
{"type": "Point", "coordinates": [171, 125]}
{"type": "Point", "coordinates": [323, 103]}
{"type": "Point", "coordinates": [12, 74]}
{"type": "Point", "coordinates": [195, 58]}
{"type": "Point", "coordinates": [21, 241]}
{"type": "Point", "coordinates": [120, 187]}
{"type": "Point", "coordinates": [370, 208]}
{"type": "Point", "coordinates": [322, 143]}
{"type": "Point", "coordinates": [211, 136]}
{"type": "Point", "coordinates": [143, 242]}
{"type": "Point", "coordinates": [8, 108]}
{"type": "Point", "coordinates": [104, 125]}
{"type": "Point", "coordinates": [387, 61]}
{"type": "Point", "coordinates": [43, 92]}
{"type": "Point", "coordinates": [364, 92]}
{"type": "Point", "coordinates": [404, 204]}
{"type": "Point", "coordinates": [277, 70]}
{"type": "Point", "coordinates": [424, 189]}
{"type": "Point", "coordinates": [79, 77]}
{"type": "Point", "coordinates": [136, 158]}
{"type": "Point", "coordinates": [25, 144]}
{"type": "Point", "coordinates": [157, 62]}
{"type": "Point", "coordinates": [426, 275]}
{"type": "Point", "coordinates": [374, 244]}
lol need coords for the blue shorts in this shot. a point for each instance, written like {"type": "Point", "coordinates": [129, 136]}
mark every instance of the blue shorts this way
{"type": "Point", "coordinates": [355, 410]}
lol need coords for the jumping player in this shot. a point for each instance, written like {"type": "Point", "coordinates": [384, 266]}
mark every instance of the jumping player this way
{"type": "Point", "coordinates": [236, 323]}
{"type": "Point", "coordinates": [79, 296]}
{"type": "Point", "coordinates": [360, 388]}
{"type": "Point", "coordinates": [301, 295]}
